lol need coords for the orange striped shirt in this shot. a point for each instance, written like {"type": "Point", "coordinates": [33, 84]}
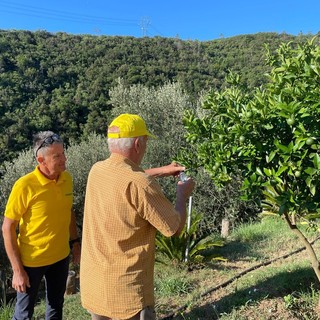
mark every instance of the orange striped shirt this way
{"type": "Point", "coordinates": [124, 208]}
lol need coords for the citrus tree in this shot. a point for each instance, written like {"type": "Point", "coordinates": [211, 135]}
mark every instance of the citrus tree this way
{"type": "Point", "coordinates": [270, 136]}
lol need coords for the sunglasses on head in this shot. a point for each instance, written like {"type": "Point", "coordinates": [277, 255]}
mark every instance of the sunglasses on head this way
{"type": "Point", "coordinates": [49, 140]}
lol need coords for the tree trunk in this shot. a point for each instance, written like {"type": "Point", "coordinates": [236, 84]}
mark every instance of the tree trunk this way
{"type": "Point", "coordinates": [312, 255]}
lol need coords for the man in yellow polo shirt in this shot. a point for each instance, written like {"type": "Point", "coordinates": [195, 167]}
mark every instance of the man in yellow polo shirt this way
{"type": "Point", "coordinates": [40, 205]}
{"type": "Point", "coordinates": [124, 208]}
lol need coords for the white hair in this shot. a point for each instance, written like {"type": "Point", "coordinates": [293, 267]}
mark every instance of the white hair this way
{"type": "Point", "coordinates": [121, 144]}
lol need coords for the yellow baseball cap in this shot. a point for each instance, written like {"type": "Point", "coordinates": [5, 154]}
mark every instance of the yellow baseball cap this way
{"type": "Point", "coordinates": [128, 126]}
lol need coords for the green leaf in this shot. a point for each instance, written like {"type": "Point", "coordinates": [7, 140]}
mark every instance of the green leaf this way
{"type": "Point", "coordinates": [312, 189]}
{"type": "Point", "coordinates": [278, 180]}
{"type": "Point", "coordinates": [270, 157]}
{"type": "Point", "coordinates": [280, 170]}
{"type": "Point", "coordinates": [259, 172]}
{"type": "Point", "coordinates": [316, 161]}
{"type": "Point", "coordinates": [312, 216]}
{"type": "Point", "coordinates": [253, 177]}
{"type": "Point", "coordinates": [267, 172]}
{"type": "Point", "coordinates": [298, 145]}
{"type": "Point", "coordinates": [310, 171]}
{"type": "Point", "coordinates": [282, 147]}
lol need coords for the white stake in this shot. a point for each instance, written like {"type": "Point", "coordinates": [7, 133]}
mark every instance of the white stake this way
{"type": "Point", "coordinates": [183, 178]}
{"type": "Point", "coordinates": [186, 257]}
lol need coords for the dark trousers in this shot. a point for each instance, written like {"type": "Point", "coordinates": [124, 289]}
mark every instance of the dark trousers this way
{"type": "Point", "coordinates": [55, 276]}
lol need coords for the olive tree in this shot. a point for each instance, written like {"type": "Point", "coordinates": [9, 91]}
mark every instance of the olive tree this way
{"type": "Point", "coordinates": [162, 108]}
{"type": "Point", "coordinates": [270, 136]}
{"type": "Point", "coordinates": [81, 155]}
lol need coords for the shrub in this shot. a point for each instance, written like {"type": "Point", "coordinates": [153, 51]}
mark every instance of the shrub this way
{"type": "Point", "coordinates": [81, 156]}
{"type": "Point", "coordinates": [199, 247]}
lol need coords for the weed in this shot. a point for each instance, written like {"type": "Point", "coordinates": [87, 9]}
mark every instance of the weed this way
{"type": "Point", "coordinates": [173, 286]}
{"type": "Point", "coordinates": [6, 311]}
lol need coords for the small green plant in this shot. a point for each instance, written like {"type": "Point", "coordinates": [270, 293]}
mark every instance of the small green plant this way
{"type": "Point", "coordinates": [6, 311]}
{"type": "Point", "coordinates": [200, 247]}
{"type": "Point", "coordinates": [290, 300]}
{"type": "Point", "coordinates": [301, 305]}
{"type": "Point", "coordinates": [173, 285]}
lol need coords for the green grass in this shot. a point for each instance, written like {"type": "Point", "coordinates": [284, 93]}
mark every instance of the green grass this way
{"type": "Point", "coordinates": [284, 289]}
{"type": "Point", "coordinates": [6, 312]}
{"type": "Point", "coordinates": [72, 309]}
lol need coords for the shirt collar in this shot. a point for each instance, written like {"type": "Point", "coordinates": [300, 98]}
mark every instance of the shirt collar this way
{"type": "Point", "coordinates": [44, 180]}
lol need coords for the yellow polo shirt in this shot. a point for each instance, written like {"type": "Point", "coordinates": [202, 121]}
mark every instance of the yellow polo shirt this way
{"type": "Point", "coordinates": [43, 209]}
{"type": "Point", "coordinates": [124, 208]}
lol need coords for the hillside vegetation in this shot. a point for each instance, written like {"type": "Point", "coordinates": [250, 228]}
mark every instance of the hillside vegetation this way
{"type": "Point", "coordinates": [62, 81]}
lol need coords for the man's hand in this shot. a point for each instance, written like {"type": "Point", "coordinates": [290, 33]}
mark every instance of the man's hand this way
{"type": "Point", "coordinates": [20, 281]}
{"type": "Point", "coordinates": [185, 188]}
{"type": "Point", "coordinates": [173, 169]}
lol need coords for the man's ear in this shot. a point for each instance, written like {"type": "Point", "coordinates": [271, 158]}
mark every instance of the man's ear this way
{"type": "Point", "coordinates": [40, 159]}
{"type": "Point", "coordinates": [137, 144]}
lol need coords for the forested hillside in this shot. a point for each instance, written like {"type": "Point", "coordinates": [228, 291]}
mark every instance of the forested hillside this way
{"type": "Point", "coordinates": [62, 81]}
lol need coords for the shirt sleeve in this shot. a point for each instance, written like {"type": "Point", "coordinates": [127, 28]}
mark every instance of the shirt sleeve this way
{"type": "Point", "coordinates": [158, 210]}
{"type": "Point", "coordinates": [17, 202]}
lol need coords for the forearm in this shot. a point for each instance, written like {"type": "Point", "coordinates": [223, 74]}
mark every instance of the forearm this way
{"type": "Point", "coordinates": [182, 209]}
{"type": "Point", "coordinates": [154, 172]}
{"type": "Point", "coordinates": [12, 249]}
{"type": "Point", "coordinates": [20, 279]}
{"type": "Point", "coordinates": [172, 169]}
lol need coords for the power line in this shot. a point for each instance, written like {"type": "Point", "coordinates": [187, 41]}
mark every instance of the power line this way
{"type": "Point", "coordinates": [31, 11]}
{"type": "Point", "coordinates": [10, 7]}
{"type": "Point", "coordinates": [158, 33]}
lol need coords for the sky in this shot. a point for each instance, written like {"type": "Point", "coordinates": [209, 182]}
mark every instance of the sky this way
{"type": "Point", "coordinates": [201, 20]}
